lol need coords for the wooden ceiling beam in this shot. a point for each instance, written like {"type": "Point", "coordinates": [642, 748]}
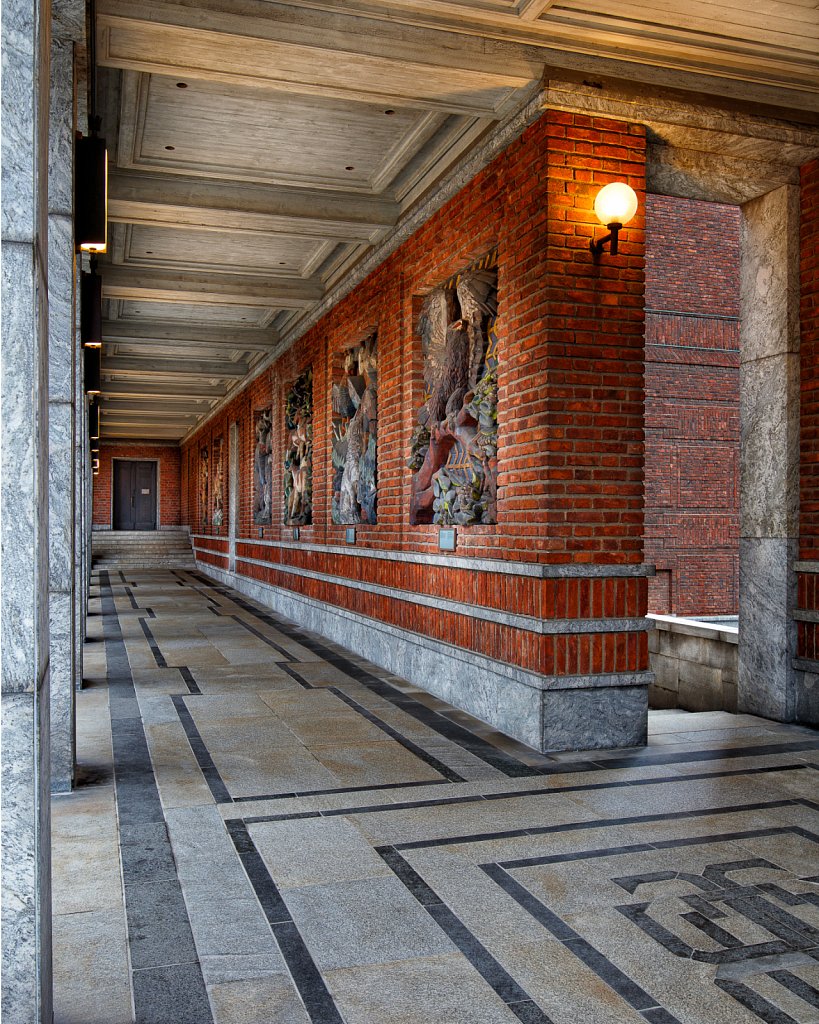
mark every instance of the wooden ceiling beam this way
{"type": "Point", "coordinates": [209, 289]}
{"type": "Point", "coordinates": [174, 201]}
{"type": "Point", "coordinates": [154, 389]}
{"type": "Point", "coordinates": [149, 365]}
{"type": "Point", "coordinates": [145, 332]}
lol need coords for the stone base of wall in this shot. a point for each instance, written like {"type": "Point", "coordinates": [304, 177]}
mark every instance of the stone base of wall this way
{"type": "Point", "coordinates": [548, 713]}
{"type": "Point", "coordinates": [694, 665]}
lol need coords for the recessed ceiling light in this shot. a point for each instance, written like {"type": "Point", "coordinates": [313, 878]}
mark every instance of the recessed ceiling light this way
{"type": "Point", "coordinates": [389, 112]}
{"type": "Point", "coordinates": [149, 252]}
{"type": "Point", "coordinates": [181, 85]}
{"type": "Point", "coordinates": [349, 167]}
{"type": "Point", "coordinates": [171, 148]}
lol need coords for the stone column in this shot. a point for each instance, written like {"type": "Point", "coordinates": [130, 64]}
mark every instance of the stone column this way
{"type": "Point", "coordinates": [26, 828]}
{"type": "Point", "coordinates": [769, 473]}
{"type": "Point", "coordinates": [80, 470]}
{"type": "Point", "coordinates": [61, 424]}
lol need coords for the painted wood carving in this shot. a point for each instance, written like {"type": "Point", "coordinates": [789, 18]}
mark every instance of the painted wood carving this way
{"type": "Point", "coordinates": [298, 456]}
{"type": "Point", "coordinates": [263, 468]}
{"type": "Point", "coordinates": [355, 436]}
{"type": "Point", "coordinates": [217, 500]}
{"type": "Point", "coordinates": [203, 487]}
{"type": "Point", "coordinates": [453, 451]}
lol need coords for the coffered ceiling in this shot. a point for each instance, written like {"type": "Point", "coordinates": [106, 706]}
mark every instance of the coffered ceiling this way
{"type": "Point", "coordinates": [261, 153]}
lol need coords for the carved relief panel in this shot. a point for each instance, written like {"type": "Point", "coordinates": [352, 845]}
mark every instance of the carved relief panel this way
{"type": "Point", "coordinates": [355, 435]}
{"type": "Point", "coordinates": [203, 487]}
{"type": "Point", "coordinates": [263, 467]}
{"type": "Point", "coordinates": [217, 485]}
{"type": "Point", "coordinates": [453, 450]}
{"type": "Point", "coordinates": [298, 455]}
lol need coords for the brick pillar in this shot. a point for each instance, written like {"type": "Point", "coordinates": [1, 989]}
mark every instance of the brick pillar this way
{"type": "Point", "coordinates": [572, 390]}
{"type": "Point", "coordinates": [807, 614]}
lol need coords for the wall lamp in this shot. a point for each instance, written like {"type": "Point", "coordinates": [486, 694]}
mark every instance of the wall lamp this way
{"type": "Point", "coordinates": [615, 205]}
{"type": "Point", "coordinates": [94, 420]}
{"type": "Point", "coordinates": [91, 192]}
{"type": "Point", "coordinates": [91, 308]}
{"type": "Point", "coordinates": [93, 368]}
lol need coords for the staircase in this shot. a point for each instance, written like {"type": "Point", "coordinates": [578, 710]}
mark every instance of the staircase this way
{"type": "Point", "coordinates": [141, 549]}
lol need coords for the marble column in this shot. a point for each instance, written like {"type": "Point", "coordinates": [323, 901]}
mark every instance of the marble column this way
{"type": "Point", "coordinates": [61, 421]}
{"type": "Point", "coordinates": [26, 769]}
{"type": "Point", "coordinates": [769, 470]}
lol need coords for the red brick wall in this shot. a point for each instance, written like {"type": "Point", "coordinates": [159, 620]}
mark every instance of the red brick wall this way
{"type": "Point", "coordinates": [169, 512]}
{"type": "Point", "coordinates": [692, 406]}
{"type": "Point", "coordinates": [808, 633]}
{"type": "Point", "coordinates": [570, 486]}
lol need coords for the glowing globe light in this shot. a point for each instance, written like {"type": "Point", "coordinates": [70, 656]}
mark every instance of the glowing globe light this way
{"type": "Point", "coordinates": [615, 203]}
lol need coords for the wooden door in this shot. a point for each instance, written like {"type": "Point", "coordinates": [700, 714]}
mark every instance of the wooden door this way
{"type": "Point", "coordinates": [134, 495]}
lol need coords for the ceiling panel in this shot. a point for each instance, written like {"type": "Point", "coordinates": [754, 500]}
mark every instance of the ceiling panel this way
{"type": "Point", "coordinates": [231, 251]}
{"type": "Point", "coordinates": [235, 132]}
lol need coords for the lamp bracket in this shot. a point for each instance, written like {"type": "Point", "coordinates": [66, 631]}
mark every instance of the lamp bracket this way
{"type": "Point", "coordinates": [598, 246]}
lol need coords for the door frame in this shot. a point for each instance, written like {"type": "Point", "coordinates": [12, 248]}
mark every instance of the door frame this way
{"type": "Point", "coordinates": [127, 458]}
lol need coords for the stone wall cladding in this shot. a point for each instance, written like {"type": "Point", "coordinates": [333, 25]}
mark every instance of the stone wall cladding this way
{"type": "Point", "coordinates": [808, 586]}
{"type": "Point", "coordinates": [692, 406]}
{"type": "Point", "coordinates": [570, 396]}
{"type": "Point", "coordinates": [168, 481]}
{"type": "Point", "coordinates": [695, 667]}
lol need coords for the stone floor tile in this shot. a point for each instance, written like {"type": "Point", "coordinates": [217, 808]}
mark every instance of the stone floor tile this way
{"type": "Point", "coordinates": [316, 851]}
{"type": "Point", "coordinates": [172, 993]}
{"type": "Point", "coordinates": [91, 974]}
{"type": "Point", "coordinates": [267, 1000]}
{"type": "Point", "coordinates": [373, 920]}
{"type": "Point", "coordinates": [429, 990]}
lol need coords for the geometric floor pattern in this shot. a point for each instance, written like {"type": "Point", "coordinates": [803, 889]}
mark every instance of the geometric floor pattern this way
{"type": "Point", "coordinates": [271, 829]}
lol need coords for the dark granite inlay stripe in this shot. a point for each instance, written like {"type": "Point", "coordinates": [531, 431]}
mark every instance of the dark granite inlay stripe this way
{"type": "Point", "coordinates": [341, 789]}
{"type": "Point", "coordinates": [190, 682]}
{"type": "Point", "coordinates": [131, 597]}
{"type": "Point", "coordinates": [754, 1002]}
{"type": "Point", "coordinates": [616, 979]}
{"type": "Point", "coordinates": [159, 657]}
{"type": "Point", "coordinates": [488, 797]}
{"type": "Point", "coordinates": [448, 773]}
{"type": "Point", "coordinates": [502, 983]}
{"type": "Point", "coordinates": [308, 980]}
{"type": "Point", "coordinates": [265, 639]}
{"type": "Point", "coordinates": [166, 975]}
{"type": "Point", "coordinates": [211, 773]}
{"type": "Point", "coordinates": [799, 987]}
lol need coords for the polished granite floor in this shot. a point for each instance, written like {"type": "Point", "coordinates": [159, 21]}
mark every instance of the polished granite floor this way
{"type": "Point", "coordinates": [270, 830]}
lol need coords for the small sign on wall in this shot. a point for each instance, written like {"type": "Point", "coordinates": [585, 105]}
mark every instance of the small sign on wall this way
{"type": "Point", "coordinates": [446, 540]}
{"type": "Point", "coordinates": [146, 490]}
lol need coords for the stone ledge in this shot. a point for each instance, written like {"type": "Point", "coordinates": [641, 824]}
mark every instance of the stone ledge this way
{"type": "Point", "coordinates": [541, 570]}
{"type": "Point", "coordinates": [545, 712]}
{"type": "Point", "coordinates": [692, 627]}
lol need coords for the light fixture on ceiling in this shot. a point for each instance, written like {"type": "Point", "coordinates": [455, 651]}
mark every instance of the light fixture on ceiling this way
{"type": "Point", "coordinates": [615, 205]}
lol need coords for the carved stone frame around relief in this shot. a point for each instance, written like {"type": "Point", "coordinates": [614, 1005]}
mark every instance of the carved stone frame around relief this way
{"type": "Point", "coordinates": [263, 466]}
{"type": "Point", "coordinates": [217, 495]}
{"type": "Point", "coordinates": [355, 436]}
{"type": "Point", "coordinates": [453, 450]}
{"type": "Point", "coordinates": [298, 453]}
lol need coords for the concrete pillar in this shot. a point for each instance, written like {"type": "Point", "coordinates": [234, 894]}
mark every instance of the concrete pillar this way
{"type": "Point", "coordinates": [61, 420]}
{"type": "Point", "coordinates": [26, 827]}
{"type": "Point", "coordinates": [769, 472]}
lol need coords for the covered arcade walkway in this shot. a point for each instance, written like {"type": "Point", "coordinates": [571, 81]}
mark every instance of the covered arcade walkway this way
{"type": "Point", "coordinates": [269, 828]}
